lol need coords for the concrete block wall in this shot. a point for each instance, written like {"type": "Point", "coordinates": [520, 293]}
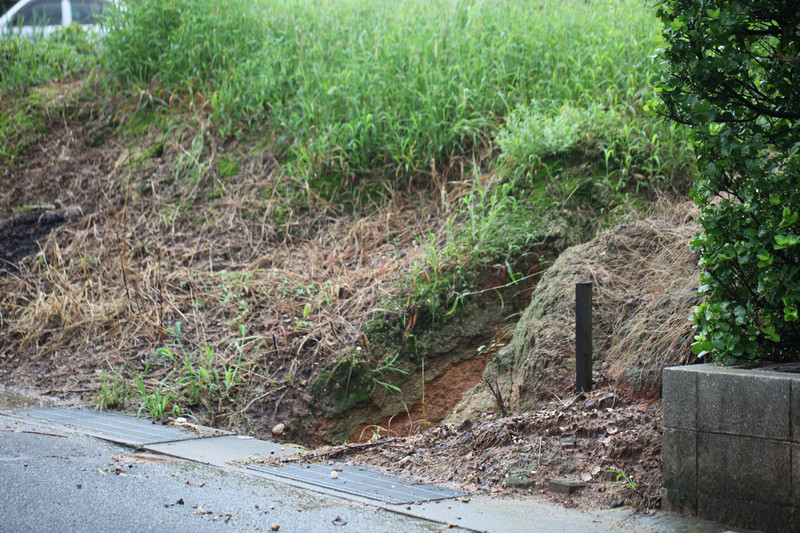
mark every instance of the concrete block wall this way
{"type": "Point", "coordinates": [731, 448]}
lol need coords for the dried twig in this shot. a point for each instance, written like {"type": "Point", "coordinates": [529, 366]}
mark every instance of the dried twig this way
{"type": "Point", "coordinates": [495, 390]}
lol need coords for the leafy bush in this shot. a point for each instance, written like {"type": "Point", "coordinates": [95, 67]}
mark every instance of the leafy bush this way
{"type": "Point", "coordinates": [626, 144]}
{"type": "Point", "coordinates": [734, 77]}
{"type": "Point", "coordinates": [541, 129]}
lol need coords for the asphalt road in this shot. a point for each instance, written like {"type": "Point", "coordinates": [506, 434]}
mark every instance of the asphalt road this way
{"type": "Point", "coordinates": [53, 480]}
{"type": "Point", "coordinates": [54, 477]}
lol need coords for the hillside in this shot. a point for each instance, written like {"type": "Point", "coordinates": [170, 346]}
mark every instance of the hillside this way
{"type": "Point", "coordinates": [333, 260]}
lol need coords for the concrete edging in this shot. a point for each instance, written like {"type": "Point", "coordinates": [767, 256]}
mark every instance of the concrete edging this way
{"type": "Point", "coordinates": [731, 448]}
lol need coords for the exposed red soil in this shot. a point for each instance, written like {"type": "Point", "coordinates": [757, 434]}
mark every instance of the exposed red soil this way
{"type": "Point", "coordinates": [441, 396]}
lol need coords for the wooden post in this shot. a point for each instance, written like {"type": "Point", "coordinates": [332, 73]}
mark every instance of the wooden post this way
{"type": "Point", "coordinates": [583, 337]}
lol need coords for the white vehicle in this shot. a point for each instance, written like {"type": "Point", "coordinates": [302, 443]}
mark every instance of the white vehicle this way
{"type": "Point", "coordinates": [33, 18]}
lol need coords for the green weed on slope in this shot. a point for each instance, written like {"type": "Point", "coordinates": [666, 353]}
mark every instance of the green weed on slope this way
{"type": "Point", "coordinates": [361, 87]}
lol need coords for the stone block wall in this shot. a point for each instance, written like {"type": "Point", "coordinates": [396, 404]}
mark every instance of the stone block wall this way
{"type": "Point", "coordinates": [731, 448]}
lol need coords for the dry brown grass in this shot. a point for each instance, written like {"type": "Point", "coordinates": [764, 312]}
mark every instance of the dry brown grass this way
{"type": "Point", "coordinates": [155, 249]}
{"type": "Point", "coordinates": [645, 281]}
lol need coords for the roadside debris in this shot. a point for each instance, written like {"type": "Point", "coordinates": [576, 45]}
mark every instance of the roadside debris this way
{"type": "Point", "coordinates": [603, 442]}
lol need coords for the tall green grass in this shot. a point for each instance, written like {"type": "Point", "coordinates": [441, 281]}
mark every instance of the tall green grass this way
{"type": "Point", "coordinates": [360, 87]}
{"type": "Point", "coordinates": [548, 94]}
{"type": "Point", "coordinates": [175, 46]}
{"type": "Point", "coordinates": [27, 62]}
{"type": "Point", "coordinates": [397, 85]}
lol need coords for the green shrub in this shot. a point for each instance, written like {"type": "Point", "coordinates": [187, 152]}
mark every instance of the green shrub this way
{"type": "Point", "coordinates": [620, 139]}
{"type": "Point", "coordinates": [734, 77]}
{"type": "Point", "coordinates": [541, 129]}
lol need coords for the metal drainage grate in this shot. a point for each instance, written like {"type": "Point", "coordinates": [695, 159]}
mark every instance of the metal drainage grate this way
{"type": "Point", "coordinates": [114, 427]}
{"type": "Point", "coordinates": [361, 481]}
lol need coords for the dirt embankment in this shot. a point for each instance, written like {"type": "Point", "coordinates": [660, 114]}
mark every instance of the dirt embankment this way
{"type": "Point", "coordinates": [206, 271]}
{"type": "Point", "coordinates": [607, 439]}
{"type": "Point", "coordinates": [645, 281]}
{"type": "Point", "coordinates": [173, 254]}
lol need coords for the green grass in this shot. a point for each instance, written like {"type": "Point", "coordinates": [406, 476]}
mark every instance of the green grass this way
{"type": "Point", "coordinates": [373, 86]}
{"type": "Point", "coordinates": [547, 94]}
{"type": "Point", "coordinates": [181, 380]}
{"type": "Point", "coordinates": [111, 392]}
{"type": "Point", "coordinates": [489, 227]}
{"type": "Point", "coordinates": [28, 62]}
{"type": "Point", "coordinates": [367, 88]}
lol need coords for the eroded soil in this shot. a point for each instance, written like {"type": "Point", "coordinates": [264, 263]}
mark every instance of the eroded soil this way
{"type": "Point", "coordinates": [134, 253]}
{"type": "Point", "coordinates": [20, 236]}
{"type": "Point", "coordinates": [605, 439]}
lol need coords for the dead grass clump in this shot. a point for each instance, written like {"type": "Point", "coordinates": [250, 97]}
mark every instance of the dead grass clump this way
{"type": "Point", "coordinates": [645, 281]}
{"type": "Point", "coordinates": [243, 265]}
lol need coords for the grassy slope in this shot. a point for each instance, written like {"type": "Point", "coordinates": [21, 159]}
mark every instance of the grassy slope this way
{"type": "Point", "coordinates": [248, 201]}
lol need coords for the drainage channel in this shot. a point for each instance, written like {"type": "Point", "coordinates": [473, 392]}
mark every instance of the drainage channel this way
{"type": "Point", "coordinates": [114, 427]}
{"type": "Point", "coordinates": [191, 445]}
{"type": "Point", "coordinates": [360, 481]}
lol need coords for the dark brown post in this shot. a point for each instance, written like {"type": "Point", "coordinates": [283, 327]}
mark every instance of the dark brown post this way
{"type": "Point", "coordinates": [583, 337]}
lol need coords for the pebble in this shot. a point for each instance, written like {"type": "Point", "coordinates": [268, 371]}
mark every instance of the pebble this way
{"type": "Point", "coordinates": [334, 475]}
{"type": "Point", "coordinates": [274, 527]}
{"type": "Point", "coordinates": [278, 429]}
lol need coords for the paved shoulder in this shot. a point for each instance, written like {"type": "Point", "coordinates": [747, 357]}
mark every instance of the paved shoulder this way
{"type": "Point", "coordinates": [55, 480]}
